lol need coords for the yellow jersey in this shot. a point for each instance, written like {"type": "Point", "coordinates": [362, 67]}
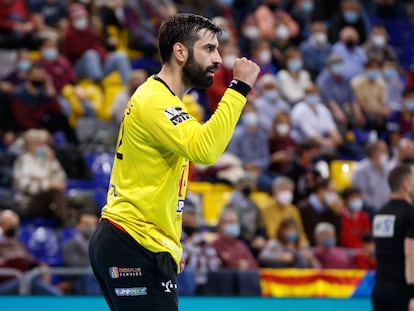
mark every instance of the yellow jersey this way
{"type": "Point", "coordinates": [157, 139]}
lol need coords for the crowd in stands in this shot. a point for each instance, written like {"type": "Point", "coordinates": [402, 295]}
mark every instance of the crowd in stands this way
{"type": "Point", "coordinates": [336, 83]}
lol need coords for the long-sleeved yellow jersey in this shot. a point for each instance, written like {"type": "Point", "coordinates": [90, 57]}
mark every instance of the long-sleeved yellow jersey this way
{"type": "Point", "coordinates": [157, 139]}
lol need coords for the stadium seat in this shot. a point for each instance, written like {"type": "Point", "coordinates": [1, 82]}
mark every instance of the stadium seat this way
{"type": "Point", "coordinates": [213, 202]}
{"type": "Point", "coordinates": [43, 244]}
{"type": "Point", "coordinates": [341, 172]}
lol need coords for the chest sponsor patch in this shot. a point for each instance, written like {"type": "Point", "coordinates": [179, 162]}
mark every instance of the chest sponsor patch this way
{"type": "Point", "coordinates": [383, 226]}
{"type": "Point", "coordinates": [176, 115]}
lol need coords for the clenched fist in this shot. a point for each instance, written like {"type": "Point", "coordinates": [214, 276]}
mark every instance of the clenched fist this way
{"type": "Point", "coordinates": [246, 71]}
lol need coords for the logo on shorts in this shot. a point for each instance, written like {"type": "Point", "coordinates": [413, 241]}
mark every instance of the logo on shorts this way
{"type": "Point", "coordinates": [133, 291]}
{"type": "Point", "coordinates": [176, 115]}
{"type": "Point", "coordinates": [168, 286]}
{"type": "Point", "coordinates": [116, 272]}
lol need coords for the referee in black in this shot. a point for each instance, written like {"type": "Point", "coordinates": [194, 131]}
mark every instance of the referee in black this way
{"type": "Point", "coordinates": [393, 229]}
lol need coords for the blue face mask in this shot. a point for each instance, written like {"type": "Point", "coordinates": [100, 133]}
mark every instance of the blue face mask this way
{"type": "Point", "coordinates": [389, 73]}
{"type": "Point", "coordinates": [232, 230]}
{"type": "Point", "coordinates": [225, 2]}
{"type": "Point", "coordinates": [312, 99]}
{"type": "Point", "coordinates": [338, 69]}
{"type": "Point", "coordinates": [373, 74]}
{"type": "Point", "coordinates": [291, 236]}
{"type": "Point", "coordinates": [40, 152]}
{"type": "Point", "coordinates": [49, 53]}
{"type": "Point", "coordinates": [409, 105]}
{"type": "Point", "coordinates": [24, 65]}
{"type": "Point", "coordinates": [295, 64]}
{"type": "Point", "coordinates": [350, 17]}
{"type": "Point", "coordinates": [307, 6]}
{"type": "Point", "coordinates": [328, 243]}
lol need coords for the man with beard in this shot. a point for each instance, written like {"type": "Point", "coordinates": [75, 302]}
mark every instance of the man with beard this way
{"type": "Point", "coordinates": [136, 252]}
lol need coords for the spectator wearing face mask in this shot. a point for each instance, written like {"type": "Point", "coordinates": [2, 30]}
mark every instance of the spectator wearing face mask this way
{"type": "Point", "coordinates": [17, 76]}
{"type": "Point", "coordinates": [252, 230]}
{"type": "Point", "coordinates": [281, 207]}
{"type": "Point", "coordinates": [281, 43]}
{"type": "Point", "coordinates": [370, 176]}
{"type": "Point", "coordinates": [311, 119]}
{"type": "Point", "coordinates": [234, 253]}
{"type": "Point", "coordinates": [249, 32]}
{"type": "Point", "coordinates": [316, 49]}
{"type": "Point", "coordinates": [261, 53]}
{"type": "Point", "coordinates": [269, 14]}
{"type": "Point", "coordinates": [39, 179]}
{"type": "Point", "coordinates": [75, 252]}
{"type": "Point", "coordinates": [353, 55]}
{"type": "Point", "coordinates": [285, 251]}
{"type": "Point", "coordinates": [293, 80]}
{"type": "Point", "coordinates": [327, 252]}
{"type": "Point", "coordinates": [86, 52]}
{"type": "Point", "coordinates": [320, 207]}
{"type": "Point", "coordinates": [400, 122]}
{"type": "Point", "coordinates": [354, 221]}
{"type": "Point", "coordinates": [34, 105]}
{"type": "Point", "coordinates": [268, 101]}
{"type": "Point", "coordinates": [393, 84]}
{"type": "Point", "coordinates": [198, 253]}
{"type": "Point", "coordinates": [370, 96]}
{"type": "Point", "coordinates": [282, 146]}
{"type": "Point", "coordinates": [303, 13]}
{"type": "Point", "coordinates": [350, 14]}
{"type": "Point", "coordinates": [376, 46]}
{"type": "Point", "coordinates": [14, 255]}
{"type": "Point", "coordinates": [249, 143]}
{"type": "Point", "coordinates": [335, 91]}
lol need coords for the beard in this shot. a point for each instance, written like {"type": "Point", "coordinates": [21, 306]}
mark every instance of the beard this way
{"type": "Point", "coordinates": [195, 75]}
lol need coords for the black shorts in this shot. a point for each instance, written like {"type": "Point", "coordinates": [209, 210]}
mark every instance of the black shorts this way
{"type": "Point", "coordinates": [131, 277]}
{"type": "Point", "coordinates": [389, 297]}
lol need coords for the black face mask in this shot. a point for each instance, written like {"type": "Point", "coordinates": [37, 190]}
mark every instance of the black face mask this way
{"type": "Point", "coordinates": [246, 191]}
{"type": "Point", "coordinates": [37, 83]}
{"type": "Point", "coordinates": [11, 232]}
{"type": "Point", "coordinates": [189, 230]}
{"type": "Point", "coordinates": [350, 44]}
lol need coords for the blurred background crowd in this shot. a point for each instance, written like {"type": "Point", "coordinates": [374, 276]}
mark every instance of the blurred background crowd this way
{"type": "Point", "coordinates": [306, 169]}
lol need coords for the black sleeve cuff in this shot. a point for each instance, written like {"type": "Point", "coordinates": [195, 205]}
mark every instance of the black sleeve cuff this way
{"type": "Point", "coordinates": [240, 86]}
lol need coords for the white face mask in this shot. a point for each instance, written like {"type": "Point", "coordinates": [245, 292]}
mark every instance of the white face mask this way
{"type": "Point", "coordinates": [320, 38]}
{"type": "Point", "coordinates": [251, 32]}
{"type": "Point", "coordinates": [379, 40]}
{"type": "Point", "coordinates": [265, 57]}
{"type": "Point", "coordinates": [282, 32]}
{"type": "Point", "coordinates": [80, 23]}
{"type": "Point", "coordinates": [284, 197]}
{"type": "Point", "coordinates": [271, 95]}
{"type": "Point", "coordinates": [282, 129]}
{"type": "Point", "coordinates": [383, 159]}
{"type": "Point", "coordinates": [229, 60]}
{"type": "Point", "coordinates": [356, 204]}
{"type": "Point", "coordinates": [330, 198]}
{"type": "Point", "coordinates": [250, 119]}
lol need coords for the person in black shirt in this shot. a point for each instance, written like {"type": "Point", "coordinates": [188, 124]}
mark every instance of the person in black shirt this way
{"type": "Point", "coordinates": [393, 229]}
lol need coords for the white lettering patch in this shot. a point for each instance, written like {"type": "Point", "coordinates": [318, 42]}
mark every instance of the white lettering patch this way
{"type": "Point", "coordinates": [383, 226]}
{"type": "Point", "coordinates": [176, 115]}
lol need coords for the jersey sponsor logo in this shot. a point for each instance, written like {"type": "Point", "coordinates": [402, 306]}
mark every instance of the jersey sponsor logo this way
{"type": "Point", "coordinates": [168, 286]}
{"type": "Point", "coordinates": [117, 272]}
{"type": "Point", "coordinates": [180, 206]}
{"type": "Point", "coordinates": [132, 291]}
{"type": "Point", "coordinates": [383, 226]}
{"type": "Point", "coordinates": [176, 115]}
